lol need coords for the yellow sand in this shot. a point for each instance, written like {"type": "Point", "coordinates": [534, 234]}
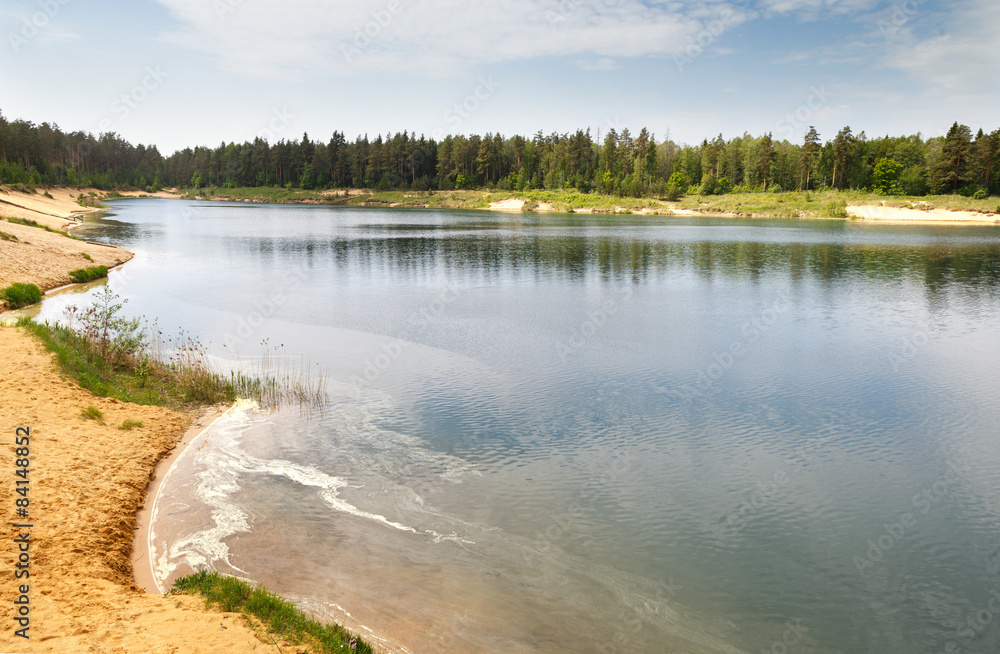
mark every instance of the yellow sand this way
{"type": "Point", "coordinates": [88, 479]}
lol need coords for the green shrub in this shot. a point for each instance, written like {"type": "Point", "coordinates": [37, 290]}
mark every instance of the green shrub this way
{"type": "Point", "coordinates": [89, 274]}
{"type": "Point", "coordinates": [92, 413]}
{"type": "Point", "coordinates": [4, 236]}
{"type": "Point", "coordinates": [21, 295]}
{"type": "Point", "coordinates": [836, 209]}
{"type": "Point", "coordinates": [87, 257]}
{"type": "Point", "coordinates": [979, 195]}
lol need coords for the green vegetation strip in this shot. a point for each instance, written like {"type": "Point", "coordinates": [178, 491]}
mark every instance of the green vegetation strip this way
{"type": "Point", "coordinates": [139, 382]}
{"type": "Point", "coordinates": [89, 274]}
{"type": "Point", "coordinates": [21, 295]}
{"type": "Point", "coordinates": [31, 223]}
{"type": "Point", "coordinates": [278, 616]}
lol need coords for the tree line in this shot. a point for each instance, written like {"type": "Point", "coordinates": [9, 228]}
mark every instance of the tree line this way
{"type": "Point", "coordinates": [616, 163]}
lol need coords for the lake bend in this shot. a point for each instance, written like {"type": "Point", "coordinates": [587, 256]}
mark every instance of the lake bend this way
{"type": "Point", "coordinates": [590, 433]}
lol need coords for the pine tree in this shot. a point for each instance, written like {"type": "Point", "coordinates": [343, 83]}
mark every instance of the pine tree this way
{"type": "Point", "coordinates": [955, 168]}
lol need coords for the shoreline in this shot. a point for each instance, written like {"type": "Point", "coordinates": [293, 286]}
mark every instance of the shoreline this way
{"type": "Point", "coordinates": [870, 208]}
{"type": "Point", "coordinates": [89, 477]}
{"type": "Point", "coordinates": [36, 247]}
{"type": "Point", "coordinates": [142, 570]}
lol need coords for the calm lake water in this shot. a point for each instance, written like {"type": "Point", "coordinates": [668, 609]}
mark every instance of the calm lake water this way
{"type": "Point", "coordinates": [565, 433]}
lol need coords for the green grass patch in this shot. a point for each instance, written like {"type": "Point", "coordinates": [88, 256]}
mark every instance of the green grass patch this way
{"type": "Point", "coordinates": [27, 222]}
{"type": "Point", "coordinates": [92, 413]}
{"type": "Point", "coordinates": [279, 616]}
{"type": "Point", "coordinates": [4, 236]}
{"type": "Point", "coordinates": [89, 274]}
{"type": "Point", "coordinates": [112, 356]}
{"type": "Point", "coordinates": [128, 424]}
{"type": "Point", "coordinates": [87, 257]}
{"type": "Point", "coordinates": [90, 201]}
{"type": "Point", "coordinates": [20, 295]}
{"type": "Point", "coordinates": [126, 378]}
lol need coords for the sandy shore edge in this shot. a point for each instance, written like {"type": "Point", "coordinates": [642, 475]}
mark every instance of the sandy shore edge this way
{"type": "Point", "coordinates": [142, 568]}
{"type": "Point", "coordinates": [88, 479]}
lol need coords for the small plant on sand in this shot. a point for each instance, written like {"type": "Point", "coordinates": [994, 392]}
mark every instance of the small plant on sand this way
{"type": "Point", "coordinates": [128, 424]}
{"type": "Point", "coordinates": [88, 274]}
{"type": "Point", "coordinates": [279, 616]}
{"type": "Point", "coordinates": [4, 236]}
{"type": "Point", "coordinates": [87, 257]}
{"type": "Point", "coordinates": [92, 413]}
{"type": "Point", "coordinates": [21, 295]}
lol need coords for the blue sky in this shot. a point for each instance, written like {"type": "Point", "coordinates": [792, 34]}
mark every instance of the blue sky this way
{"type": "Point", "coordinates": [180, 73]}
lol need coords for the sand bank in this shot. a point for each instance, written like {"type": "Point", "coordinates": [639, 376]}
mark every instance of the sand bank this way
{"type": "Point", "coordinates": [902, 214]}
{"type": "Point", "coordinates": [87, 480]}
{"type": "Point", "coordinates": [34, 255]}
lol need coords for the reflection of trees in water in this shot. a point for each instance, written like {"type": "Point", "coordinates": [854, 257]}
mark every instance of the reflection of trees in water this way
{"type": "Point", "coordinates": [619, 258]}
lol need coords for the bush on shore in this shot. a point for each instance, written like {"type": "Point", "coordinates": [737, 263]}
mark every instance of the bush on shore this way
{"type": "Point", "coordinates": [21, 295]}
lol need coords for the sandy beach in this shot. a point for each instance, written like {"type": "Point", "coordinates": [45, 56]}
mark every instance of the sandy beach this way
{"type": "Point", "coordinates": [33, 255]}
{"type": "Point", "coordinates": [903, 214]}
{"type": "Point", "coordinates": [87, 481]}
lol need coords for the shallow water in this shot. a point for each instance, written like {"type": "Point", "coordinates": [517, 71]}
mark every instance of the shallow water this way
{"type": "Point", "coordinates": [602, 433]}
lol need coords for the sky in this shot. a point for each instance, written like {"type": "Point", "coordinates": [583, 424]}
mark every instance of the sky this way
{"type": "Point", "coordinates": [182, 73]}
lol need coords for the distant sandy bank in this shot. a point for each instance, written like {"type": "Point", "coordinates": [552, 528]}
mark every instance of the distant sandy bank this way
{"type": "Point", "coordinates": [903, 214]}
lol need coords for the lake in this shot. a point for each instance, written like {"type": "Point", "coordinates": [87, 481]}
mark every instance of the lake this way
{"type": "Point", "coordinates": [570, 433]}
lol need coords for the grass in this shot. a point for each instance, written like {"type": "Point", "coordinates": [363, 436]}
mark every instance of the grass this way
{"type": "Point", "coordinates": [89, 274]}
{"type": "Point", "coordinates": [92, 413]}
{"type": "Point", "coordinates": [21, 295]}
{"type": "Point", "coordinates": [172, 372]}
{"type": "Point", "coordinates": [4, 236]}
{"type": "Point", "coordinates": [138, 382]}
{"type": "Point", "coordinates": [31, 223]}
{"type": "Point", "coordinates": [279, 616]}
{"type": "Point", "coordinates": [90, 201]}
{"type": "Point", "coordinates": [87, 257]}
{"type": "Point", "coordinates": [809, 204]}
{"type": "Point", "coordinates": [128, 424]}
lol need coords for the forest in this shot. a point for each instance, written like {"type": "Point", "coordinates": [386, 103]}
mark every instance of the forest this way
{"type": "Point", "coordinates": [616, 163]}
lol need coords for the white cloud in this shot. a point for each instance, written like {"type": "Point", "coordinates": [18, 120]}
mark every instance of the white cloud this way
{"type": "Point", "coordinates": [816, 9]}
{"type": "Point", "coordinates": [960, 58]}
{"type": "Point", "coordinates": [304, 38]}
